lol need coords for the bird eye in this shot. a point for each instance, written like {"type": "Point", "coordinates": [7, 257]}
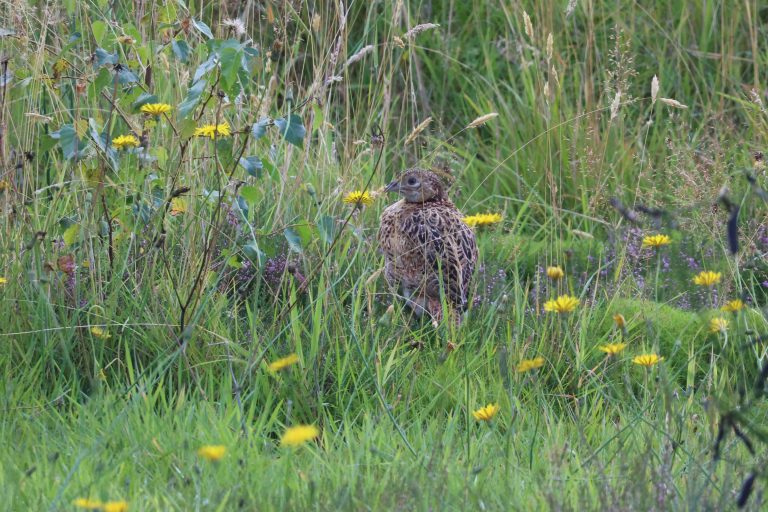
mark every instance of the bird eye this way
{"type": "Point", "coordinates": [412, 181]}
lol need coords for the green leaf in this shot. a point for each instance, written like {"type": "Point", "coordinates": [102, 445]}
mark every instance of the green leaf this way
{"type": "Point", "coordinates": [71, 234]}
{"type": "Point", "coordinates": [205, 67]}
{"type": "Point", "coordinates": [102, 57]}
{"type": "Point", "coordinates": [291, 129]}
{"type": "Point", "coordinates": [326, 227]}
{"type": "Point", "coordinates": [180, 50]}
{"type": "Point", "coordinates": [260, 129]}
{"type": "Point", "coordinates": [231, 60]}
{"type": "Point", "coordinates": [192, 99]}
{"type": "Point", "coordinates": [143, 99]}
{"type": "Point", "coordinates": [126, 76]}
{"type": "Point", "coordinates": [253, 253]}
{"type": "Point", "coordinates": [250, 194]}
{"type": "Point", "coordinates": [294, 240]}
{"type": "Point", "coordinates": [202, 28]}
{"type": "Point", "coordinates": [68, 141]}
{"type": "Point", "coordinates": [252, 165]}
{"type": "Point", "coordinates": [99, 28]}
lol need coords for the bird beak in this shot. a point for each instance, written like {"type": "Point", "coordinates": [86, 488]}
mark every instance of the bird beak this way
{"type": "Point", "coordinates": [393, 187]}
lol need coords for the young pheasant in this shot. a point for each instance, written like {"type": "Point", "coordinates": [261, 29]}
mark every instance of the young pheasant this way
{"type": "Point", "coordinates": [426, 244]}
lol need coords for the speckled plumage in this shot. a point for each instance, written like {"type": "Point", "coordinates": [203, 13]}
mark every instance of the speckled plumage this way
{"type": "Point", "coordinates": [426, 244]}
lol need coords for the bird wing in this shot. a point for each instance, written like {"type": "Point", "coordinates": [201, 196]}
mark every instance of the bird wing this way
{"type": "Point", "coordinates": [447, 246]}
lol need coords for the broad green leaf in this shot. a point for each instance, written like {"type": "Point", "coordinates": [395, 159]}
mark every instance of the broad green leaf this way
{"type": "Point", "coordinates": [260, 128]}
{"type": "Point", "coordinates": [192, 99]}
{"type": "Point", "coordinates": [99, 28]}
{"type": "Point", "coordinates": [202, 28]}
{"type": "Point", "coordinates": [143, 99]}
{"type": "Point", "coordinates": [102, 57]}
{"type": "Point", "coordinates": [252, 165]}
{"type": "Point", "coordinates": [250, 194]}
{"type": "Point", "coordinates": [291, 129]}
{"type": "Point", "coordinates": [294, 240]}
{"type": "Point", "coordinates": [71, 234]}
{"type": "Point", "coordinates": [326, 227]}
{"type": "Point", "coordinates": [126, 76]}
{"type": "Point", "coordinates": [253, 253]}
{"type": "Point", "coordinates": [180, 50]}
{"type": "Point", "coordinates": [205, 67]}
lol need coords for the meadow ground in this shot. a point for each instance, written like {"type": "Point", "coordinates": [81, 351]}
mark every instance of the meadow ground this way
{"type": "Point", "coordinates": [193, 315]}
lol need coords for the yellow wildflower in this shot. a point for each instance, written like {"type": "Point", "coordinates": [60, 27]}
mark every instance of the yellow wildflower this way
{"type": "Point", "coordinates": [656, 241]}
{"type": "Point", "coordinates": [612, 348]}
{"type": "Point", "coordinates": [733, 306]}
{"type": "Point", "coordinates": [358, 198]}
{"type": "Point", "coordinates": [155, 109]}
{"type": "Point", "coordinates": [124, 141]}
{"type": "Point", "coordinates": [619, 320]}
{"type": "Point", "coordinates": [717, 325]}
{"type": "Point", "coordinates": [530, 364]}
{"type": "Point", "coordinates": [483, 219]}
{"type": "Point", "coordinates": [87, 504]}
{"type": "Point", "coordinates": [707, 278]}
{"type": "Point", "coordinates": [298, 435]}
{"type": "Point", "coordinates": [562, 304]}
{"type": "Point", "coordinates": [100, 333]}
{"type": "Point", "coordinates": [178, 206]}
{"type": "Point", "coordinates": [213, 130]}
{"type": "Point", "coordinates": [3, 281]}
{"type": "Point", "coordinates": [3, 185]}
{"type": "Point", "coordinates": [283, 363]}
{"type": "Point", "coordinates": [212, 452]}
{"type": "Point", "coordinates": [486, 413]}
{"type": "Point", "coordinates": [115, 506]}
{"type": "Point", "coordinates": [647, 360]}
{"type": "Point", "coordinates": [555, 273]}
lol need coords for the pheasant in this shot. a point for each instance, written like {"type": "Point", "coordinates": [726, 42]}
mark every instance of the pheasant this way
{"type": "Point", "coordinates": [426, 245]}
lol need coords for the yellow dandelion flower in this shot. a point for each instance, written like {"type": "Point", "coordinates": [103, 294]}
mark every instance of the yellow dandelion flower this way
{"type": "Point", "coordinates": [100, 333]}
{"type": "Point", "coordinates": [562, 304]}
{"type": "Point", "coordinates": [298, 435]}
{"type": "Point", "coordinates": [155, 109]}
{"type": "Point", "coordinates": [283, 363]}
{"type": "Point", "coordinates": [115, 506]}
{"type": "Point", "coordinates": [555, 273]}
{"type": "Point", "coordinates": [647, 360]}
{"type": "Point", "coordinates": [3, 281]}
{"type": "Point", "coordinates": [619, 320]}
{"type": "Point", "coordinates": [612, 348]}
{"type": "Point", "coordinates": [483, 219]}
{"type": "Point", "coordinates": [213, 130]}
{"type": "Point", "coordinates": [124, 141]}
{"type": "Point", "coordinates": [707, 278]}
{"type": "Point", "coordinates": [486, 413]}
{"type": "Point", "coordinates": [717, 325]}
{"type": "Point", "coordinates": [733, 306]}
{"type": "Point", "coordinates": [212, 452]}
{"type": "Point", "coordinates": [87, 504]}
{"type": "Point", "coordinates": [178, 206]}
{"type": "Point", "coordinates": [530, 364]}
{"type": "Point", "coordinates": [656, 241]}
{"type": "Point", "coordinates": [358, 198]}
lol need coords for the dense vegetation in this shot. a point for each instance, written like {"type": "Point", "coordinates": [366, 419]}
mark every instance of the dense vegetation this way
{"type": "Point", "coordinates": [193, 311]}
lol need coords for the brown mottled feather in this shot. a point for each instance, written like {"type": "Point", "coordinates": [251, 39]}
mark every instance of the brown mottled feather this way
{"type": "Point", "coordinates": [426, 244]}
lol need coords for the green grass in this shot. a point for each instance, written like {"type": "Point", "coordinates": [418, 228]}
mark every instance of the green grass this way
{"type": "Point", "coordinates": [266, 260]}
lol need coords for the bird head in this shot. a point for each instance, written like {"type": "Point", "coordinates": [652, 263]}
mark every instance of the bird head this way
{"type": "Point", "coordinates": [418, 186]}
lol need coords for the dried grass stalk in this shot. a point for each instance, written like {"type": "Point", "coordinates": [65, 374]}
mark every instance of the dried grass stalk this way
{"type": "Point", "coordinates": [482, 120]}
{"type": "Point", "coordinates": [362, 52]}
{"type": "Point", "coordinates": [528, 25]}
{"type": "Point", "coordinates": [416, 131]}
{"type": "Point", "coordinates": [418, 29]}
{"type": "Point", "coordinates": [673, 103]}
{"type": "Point", "coordinates": [615, 105]}
{"type": "Point", "coordinates": [654, 89]}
